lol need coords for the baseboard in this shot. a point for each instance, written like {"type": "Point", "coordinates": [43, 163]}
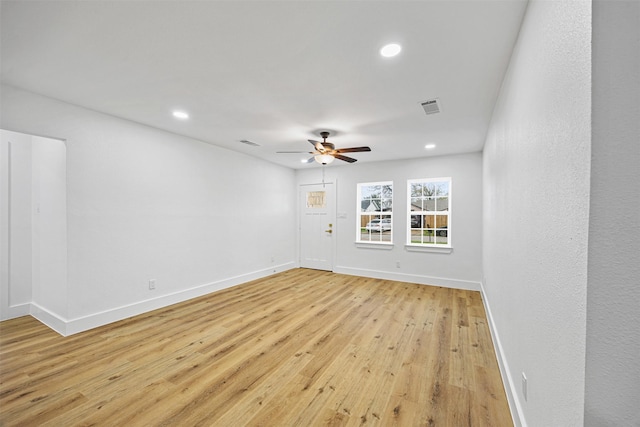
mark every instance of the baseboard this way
{"type": "Point", "coordinates": [49, 318]}
{"type": "Point", "coordinates": [517, 414]}
{"type": "Point", "coordinates": [73, 326]}
{"type": "Point", "coordinates": [411, 278]}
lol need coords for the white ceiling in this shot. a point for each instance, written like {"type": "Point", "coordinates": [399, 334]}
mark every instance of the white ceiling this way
{"type": "Point", "coordinates": [276, 73]}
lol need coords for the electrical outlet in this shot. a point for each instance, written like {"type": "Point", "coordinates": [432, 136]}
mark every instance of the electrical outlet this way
{"type": "Point", "coordinates": [152, 284]}
{"type": "Point", "coordinates": [524, 386]}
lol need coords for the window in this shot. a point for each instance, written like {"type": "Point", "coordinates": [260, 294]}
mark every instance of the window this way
{"type": "Point", "coordinates": [429, 212]}
{"type": "Point", "coordinates": [374, 222]}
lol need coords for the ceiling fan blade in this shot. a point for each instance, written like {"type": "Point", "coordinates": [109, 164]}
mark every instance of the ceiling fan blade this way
{"type": "Point", "coordinates": [353, 150]}
{"type": "Point", "coordinates": [317, 144]}
{"type": "Point", "coordinates": [345, 158]}
{"type": "Point", "coordinates": [306, 152]}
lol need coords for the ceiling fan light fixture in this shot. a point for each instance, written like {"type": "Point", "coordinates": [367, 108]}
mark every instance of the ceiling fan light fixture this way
{"type": "Point", "coordinates": [324, 159]}
{"type": "Point", "coordinates": [390, 50]}
{"type": "Point", "coordinates": [325, 152]}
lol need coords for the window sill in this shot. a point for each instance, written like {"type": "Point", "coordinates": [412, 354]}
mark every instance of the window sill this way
{"type": "Point", "coordinates": [433, 249]}
{"type": "Point", "coordinates": [381, 245]}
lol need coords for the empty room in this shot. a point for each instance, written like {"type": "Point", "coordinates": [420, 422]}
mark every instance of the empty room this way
{"type": "Point", "coordinates": [309, 213]}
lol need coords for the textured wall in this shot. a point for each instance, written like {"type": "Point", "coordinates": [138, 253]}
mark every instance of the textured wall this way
{"type": "Point", "coordinates": [613, 316]}
{"type": "Point", "coordinates": [536, 200]}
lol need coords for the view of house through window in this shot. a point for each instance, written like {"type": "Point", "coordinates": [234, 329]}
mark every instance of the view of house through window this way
{"type": "Point", "coordinates": [374, 223]}
{"type": "Point", "coordinates": [429, 212]}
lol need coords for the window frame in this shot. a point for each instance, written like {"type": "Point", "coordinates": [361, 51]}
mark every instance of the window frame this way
{"type": "Point", "coordinates": [382, 213]}
{"type": "Point", "coordinates": [428, 247]}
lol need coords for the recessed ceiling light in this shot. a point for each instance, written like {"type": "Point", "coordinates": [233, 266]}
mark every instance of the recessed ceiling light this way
{"type": "Point", "coordinates": [180, 115]}
{"type": "Point", "coordinates": [430, 146]}
{"type": "Point", "coordinates": [390, 50]}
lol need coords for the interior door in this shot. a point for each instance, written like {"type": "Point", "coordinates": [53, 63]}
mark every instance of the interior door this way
{"type": "Point", "coordinates": [317, 226]}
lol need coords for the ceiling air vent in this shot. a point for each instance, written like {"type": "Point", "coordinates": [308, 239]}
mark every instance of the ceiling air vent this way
{"type": "Point", "coordinates": [431, 106]}
{"type": "Point", "coordinates": [251, 143]}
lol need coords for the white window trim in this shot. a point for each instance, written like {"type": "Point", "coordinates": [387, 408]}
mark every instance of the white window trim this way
{"type": "Point", "coordinates": [426, 247]}
{"type": "Point", "coordinates": [387, 246]}
{"type": "Point", "coordinates": [370, 244]}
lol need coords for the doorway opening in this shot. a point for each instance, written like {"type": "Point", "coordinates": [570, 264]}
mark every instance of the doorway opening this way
{"type": "Point", "coordinates": [33, 224]}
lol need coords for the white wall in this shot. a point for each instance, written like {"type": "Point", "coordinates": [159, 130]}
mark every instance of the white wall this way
{"type": "Point", "coordinates": [16, 174]}
{"type": "Point", "coordinates": [612, 389]}
{"type": "Point", "coordinates": [146, 204]}
{"type": "Point", "coordinates": [536, 204]}
{"type": "Point", "coordinates": [461, 268]}
{"type": "Point", "coordinates": [49, 225]}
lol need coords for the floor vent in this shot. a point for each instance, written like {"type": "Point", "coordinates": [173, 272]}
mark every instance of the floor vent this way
{"type": "Point", "coordinates": [431, 106]}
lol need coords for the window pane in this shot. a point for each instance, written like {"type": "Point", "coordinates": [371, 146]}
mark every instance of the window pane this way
{"type": "Point", "coordinates": [442, 232]}
{"type": "Point", "coordinates": [442, 188]}
{"type": "Point", "coordinates": [416, 190]}
{"type": "Point", "coordinates": [365, 235]}
{"type": "Point", "coordinates": [429, 189]}
{"type": "Point", "coordinates": [416, 204]}
{"type": "Point", "coordinates": [442, 238]}
{"type": "Point", "coordinates": [429, 204]}
{"type": "Point", "coordinates": [368, 205]}
{"type": "Point", "coordinates": [429, 221]}
{"type": "Point", "coordinates": [428, 236]}
{"type": "Point", "coordinates": [386, 205]}
{"type": "Point", "coordinates": [368, 191]}
{"type": "Point", "coordinates": [375, 192]}
{"type": "Point", "coordinates": [442, 204]}
{"type": "Point", "coordinates": [416, 221]}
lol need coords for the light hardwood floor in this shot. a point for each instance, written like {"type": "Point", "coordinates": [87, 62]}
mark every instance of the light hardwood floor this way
{"type": "Point", "coordinates": [300, 348]}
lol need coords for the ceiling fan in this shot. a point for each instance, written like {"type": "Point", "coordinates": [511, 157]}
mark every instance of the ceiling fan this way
{"type": "Point", "coordinates": [326, 152]}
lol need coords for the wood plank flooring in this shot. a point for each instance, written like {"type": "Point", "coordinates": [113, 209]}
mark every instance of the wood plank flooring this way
{"type": "Point", "coordinates": [300, 348]}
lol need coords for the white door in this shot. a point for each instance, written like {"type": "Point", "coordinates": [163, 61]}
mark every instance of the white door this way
{"type": "Point", "coordinates": [317, 226]}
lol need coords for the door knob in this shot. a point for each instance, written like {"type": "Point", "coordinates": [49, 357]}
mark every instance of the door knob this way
{"type": "Point", "coordinates": [328, 231]}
